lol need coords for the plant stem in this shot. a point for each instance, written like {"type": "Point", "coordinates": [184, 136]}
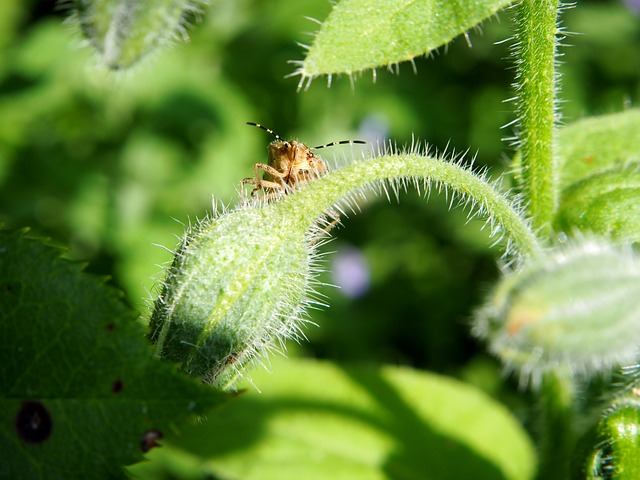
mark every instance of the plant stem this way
{"type": "Point", "coordinates": [315, 198]}
{"type": "Point", "coordinates": [556, 426]}
{"type": "Point", "coordinates": [536, 79]}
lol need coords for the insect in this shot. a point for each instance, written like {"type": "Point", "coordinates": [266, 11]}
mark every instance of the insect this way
{"type": "Point", "coordinates": [290, 164]}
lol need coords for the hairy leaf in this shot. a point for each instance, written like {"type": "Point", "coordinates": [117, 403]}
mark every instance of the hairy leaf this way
{"type": "Point", "coordinates": [598, 144]}
{"type": "Point", "coordinates": [605, 203]}
{"type": "Point", "coordinates": [81, 394]}
{"type": "Point", "coordinates": [362, 34]}
{"type": "Point", "coordinates": [599, 175]}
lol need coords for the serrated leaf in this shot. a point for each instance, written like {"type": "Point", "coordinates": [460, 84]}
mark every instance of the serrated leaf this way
{"type": "Point", "coordinates": [315, 420]}
{"type": "Point", "coordinates": [605, 203]}
{"type": "Point", "coordinates": [362, 34]}
{"type": "Point", "coordinates": [81, 394]}
{"type": "Point", "coordinates": [598, 144]}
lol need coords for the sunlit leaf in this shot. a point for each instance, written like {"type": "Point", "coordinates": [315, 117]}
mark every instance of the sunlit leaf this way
{"type": "Point", "coordinates": [314, 420]}
{"type": "Point", "coordinates": [362, 34]}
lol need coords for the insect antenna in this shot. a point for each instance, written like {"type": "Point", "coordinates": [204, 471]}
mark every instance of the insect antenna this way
{"type": "Point", "coordinates": [341, 142]}
{"type": "Point", "coordinates": [268, 130]}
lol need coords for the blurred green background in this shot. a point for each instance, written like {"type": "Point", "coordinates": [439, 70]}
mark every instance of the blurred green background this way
{"type": "Point", "coordinates": [110, 165]}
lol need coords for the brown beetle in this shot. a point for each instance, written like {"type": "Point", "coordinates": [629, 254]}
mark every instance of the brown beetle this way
{"type": "Point", "coordinates": [290, 164]}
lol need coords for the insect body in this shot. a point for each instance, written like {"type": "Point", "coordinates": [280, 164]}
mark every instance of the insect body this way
{"type": "Point", "coordinates": [290, 164]}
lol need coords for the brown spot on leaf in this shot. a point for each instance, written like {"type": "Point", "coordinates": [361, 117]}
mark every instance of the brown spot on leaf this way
{"type": "Point", "coordinates": [149, 440]}
{"type": "Point", "coordinates": [33, 422]}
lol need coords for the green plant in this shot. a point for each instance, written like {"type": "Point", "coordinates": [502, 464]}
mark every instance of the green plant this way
{"type": "Point", "coordinates": [564, 312]}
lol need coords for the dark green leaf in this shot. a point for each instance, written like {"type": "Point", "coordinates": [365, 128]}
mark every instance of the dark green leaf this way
{"type": "Point", "coordinates": [81, 394]}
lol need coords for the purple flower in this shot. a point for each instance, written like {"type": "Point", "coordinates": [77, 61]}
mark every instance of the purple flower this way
{"type": "Point", "coordinates": [633, 5]}
{"type": "Point", "coordinates": [351, 272]}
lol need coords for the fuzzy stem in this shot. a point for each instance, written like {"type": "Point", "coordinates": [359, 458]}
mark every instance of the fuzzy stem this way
{"type": "Point", "coordinates": [536, 78]}
{"type": "Point", "coordinates": [315, 198]}
{"type": "Point", "coordinates": [556, 426]}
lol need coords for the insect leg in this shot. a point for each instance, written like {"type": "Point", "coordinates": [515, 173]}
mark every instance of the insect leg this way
{"type": "Point", "coordinates": [259, 183]}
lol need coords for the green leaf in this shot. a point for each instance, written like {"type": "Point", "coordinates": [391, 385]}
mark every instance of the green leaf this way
{"type": "Point", "coordinates": [598, 144]}
{"type": "Point", "coordinates": [81, 394]}
{"type": "Point", "coordinates": [362, 34]}
{"type": "Point", "coordinates": [605, 203]}
{"type": "Point", "coordinates": [599, 159]}
{"type": "Point", "coordinates": [315, 420]}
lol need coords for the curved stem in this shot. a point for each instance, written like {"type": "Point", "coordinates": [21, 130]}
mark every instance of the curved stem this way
{"type": "Point", "coordinates": [314, 199]}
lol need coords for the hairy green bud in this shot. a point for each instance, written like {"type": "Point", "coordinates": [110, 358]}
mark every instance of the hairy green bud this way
{"type": "Point", "coordinates": [575, 308]}
{"type": "Point", "coordinates": [239, 284]}
{"type": "Point", "coordinates": [616, 455]}
{"type": "Point", "coordinates": [124, 31]}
